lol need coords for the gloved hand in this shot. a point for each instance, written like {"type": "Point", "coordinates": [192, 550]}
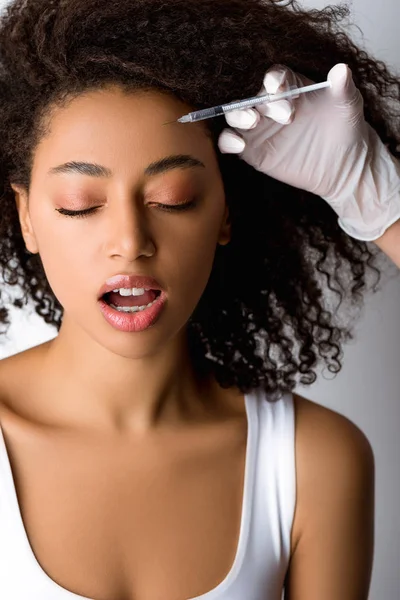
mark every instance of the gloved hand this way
{"type": "Point", "coordinates": [320, 142]}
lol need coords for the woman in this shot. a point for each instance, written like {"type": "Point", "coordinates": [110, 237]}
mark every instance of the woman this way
{"type": "Point", "coordinates": [161, 453]}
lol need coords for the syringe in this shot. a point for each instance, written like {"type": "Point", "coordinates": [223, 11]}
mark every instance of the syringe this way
{"type": "Point", "coordinates": [216, 111]}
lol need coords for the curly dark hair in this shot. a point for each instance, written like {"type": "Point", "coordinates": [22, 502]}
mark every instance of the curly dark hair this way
{"type": "Point", "coordinates": [206, 52]}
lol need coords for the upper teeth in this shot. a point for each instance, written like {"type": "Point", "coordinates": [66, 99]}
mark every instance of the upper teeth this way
{"type": "Point", "coordinates": [132, 291]}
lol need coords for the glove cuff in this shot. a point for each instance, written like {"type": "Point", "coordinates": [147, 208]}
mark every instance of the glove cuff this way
{"type": "Point", "coordinates": [374, 205]}
{"type": "Point", "coordinates": [390, 215]}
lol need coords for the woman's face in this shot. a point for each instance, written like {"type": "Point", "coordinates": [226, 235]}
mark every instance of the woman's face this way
{"type": "Point", "coordinates": [129, 232]}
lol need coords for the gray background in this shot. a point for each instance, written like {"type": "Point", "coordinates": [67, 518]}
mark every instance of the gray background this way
{"type": "Point", "coordinates": [367, 389]}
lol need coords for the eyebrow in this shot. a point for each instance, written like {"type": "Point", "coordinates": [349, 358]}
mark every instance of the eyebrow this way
{"type": "Point", "coordinates": [168, 163]}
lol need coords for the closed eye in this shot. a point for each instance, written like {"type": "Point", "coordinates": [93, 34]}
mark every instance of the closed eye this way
{"type": "Point", "coordinates": [88, 211]}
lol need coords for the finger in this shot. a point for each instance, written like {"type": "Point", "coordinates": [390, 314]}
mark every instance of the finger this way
{"type": "Point", "coordinates": [230, 142]}
{"type": "Point", "coordinates": [281, 111]}
{"type": "Point", "coordinates": [281, 79]}
{"type": "Point", "coordinates": [243, 119]}
{"type": "Point", "coordinates": [276, 80]}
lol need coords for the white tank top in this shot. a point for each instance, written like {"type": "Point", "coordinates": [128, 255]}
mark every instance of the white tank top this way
{"type": "Point", "coordinates": [268, 506]}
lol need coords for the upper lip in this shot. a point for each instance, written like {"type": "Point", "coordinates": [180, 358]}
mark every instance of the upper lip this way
{"type": "Point", "coordinates": [129, 281]}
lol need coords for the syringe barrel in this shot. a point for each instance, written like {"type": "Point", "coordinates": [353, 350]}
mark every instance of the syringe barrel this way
{"type": "Point", "coordinates": [206, 113]}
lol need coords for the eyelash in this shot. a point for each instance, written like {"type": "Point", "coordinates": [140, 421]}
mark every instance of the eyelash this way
{"type": "Point", "coordinates": [88, 211]}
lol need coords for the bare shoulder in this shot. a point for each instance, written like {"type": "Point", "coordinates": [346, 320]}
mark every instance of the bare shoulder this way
{"type": "Point", "coordinates": [335, 468]}
{"type": "Point", "coordinates": [330, 449]}
{"type": "Point", "coordinates": [17, 374]}
{"type": "Point", "coordinates": [318, 427]}
{"type": "Point", "coordinates": [9, 373]}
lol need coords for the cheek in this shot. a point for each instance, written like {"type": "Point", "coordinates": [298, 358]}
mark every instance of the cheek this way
{"type": "Point", "coordinates": [192, 267]}
{"type": "Point", "coordinates": [66, 274]}
{"type": "Point", "coordinates": [64, 258]}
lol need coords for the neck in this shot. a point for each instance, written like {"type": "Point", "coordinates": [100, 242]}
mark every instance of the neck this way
{"type": "Point", "coordinates": [84, 384]}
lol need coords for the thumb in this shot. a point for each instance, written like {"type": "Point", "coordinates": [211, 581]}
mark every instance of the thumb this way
{"type": "Point", "coordinates": [347, 97]}
{"type": "Point", "coordinates": [343, 88]}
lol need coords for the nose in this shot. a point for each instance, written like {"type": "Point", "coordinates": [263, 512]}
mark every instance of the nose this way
{"type": "Point", "coordinates": [128, 234]}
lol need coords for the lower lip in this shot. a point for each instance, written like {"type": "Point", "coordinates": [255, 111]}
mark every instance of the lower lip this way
{"type": "Point", "coordinates": [133, 322]}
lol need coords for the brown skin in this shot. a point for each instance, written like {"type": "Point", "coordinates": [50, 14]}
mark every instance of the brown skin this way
{"type": "Point", "coordinates": [332, 546]}
{"type": "Point", "coordinates": [100, 366]}
{"type": "Point", "coordinates": [91, 370]}
{"type": "Point", "coordinates": [389, 242]}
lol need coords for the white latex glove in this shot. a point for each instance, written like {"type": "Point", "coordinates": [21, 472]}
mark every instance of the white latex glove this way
{"type": "Point", "coordinates": [320, 142]}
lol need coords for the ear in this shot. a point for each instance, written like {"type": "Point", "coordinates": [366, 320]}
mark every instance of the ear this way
{"type": "Point", "coordinates": [226, 228]}
{"type": "Point", "coordinates": [21, 201]}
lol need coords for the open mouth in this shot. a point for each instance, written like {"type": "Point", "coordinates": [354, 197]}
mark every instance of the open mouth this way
{"type": "Point", "coordinates": [115, 299]}
{"type": "Point", "coordinates": [132, 313]}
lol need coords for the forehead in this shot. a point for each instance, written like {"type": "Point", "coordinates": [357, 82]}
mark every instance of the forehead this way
{"type": "Point", "coordinates": [121, 129]}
